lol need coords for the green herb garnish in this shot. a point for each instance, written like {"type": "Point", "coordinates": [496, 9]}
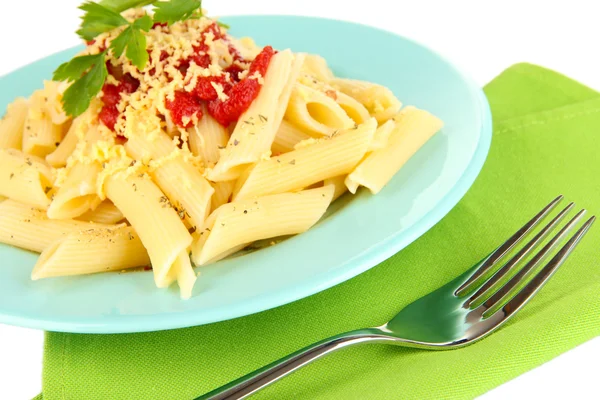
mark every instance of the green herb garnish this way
{"type": "Point", "coordinates": [88, 73]}
{"type": "Point", "coordinates": [134, 41]}
{"type": "Point", "coordinates": [98, 19]}
{"type": "Point", "coordinates": [173, 11]}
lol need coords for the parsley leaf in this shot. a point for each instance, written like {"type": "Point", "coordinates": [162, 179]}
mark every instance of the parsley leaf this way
{"type": "Point", "coordinates": [98, 19]}
{"type": "Point", "coordinates": [134, 41]}
{"type": "Point", "coordinates": [78, 96]}
{"type": "Point", "coordinates": [74, 69]}
{"type": "Point", "coordinates": [122, 5]}
{"type": "Point", "coordinates": [176, 10]}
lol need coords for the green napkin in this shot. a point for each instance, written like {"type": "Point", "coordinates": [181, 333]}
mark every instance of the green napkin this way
{"type": "Point", "coordinates": [545, 143]}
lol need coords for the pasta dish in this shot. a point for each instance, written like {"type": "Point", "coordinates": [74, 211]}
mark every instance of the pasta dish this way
{"type": "Point", "coordinates": [168, 144]}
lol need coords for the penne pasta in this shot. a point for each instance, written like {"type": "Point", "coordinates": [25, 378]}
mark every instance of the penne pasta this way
{"type": "Point", "coordinates": [214, 145]}
{"type": "Point", "coordinates": [222, 195]}
{"type": "Point", "coordinates": [339, 185]}
{"type": "Point", "coordinates": [187, 190]}
{"type": "Point", "coordinates": [381, 136]}
{"type": "Point", "coordinates": [412, 130]}
{"type": "Point", "coordinates": [24, 178]}
{"type": "Point", "coordinates": [253, 135]}
{"type": "Point", "coordinates": [316, 66]}
{"type": "Point", "coordinates": [315, 112]}
{"type": "Point", "coordinates": [99, 249]}
{"type": "Point", "coordinates": [29, 228]}
{"type": "Point", "coordinates": [150, 213]}
{"type": "Point", "coordinates": [353, 108]}
{"type": "Point", "coordinates": [207, 139]}
{"type": "Point", "coordinates": [12, 124]}
{"type": "Point", "coordinates": [105, 213]}
{"type": "Point", "coordinates": [379, 100]}
{"type": "Point", "coordinates": [52, 102]}
{"type": "Point", "coordinates": [78, 193]}
{"type": "Point", "coordinates": [287, 137]}
{"type": "Point", "coordinates": [308, 165]}
{"type": "Point", "coordinates": [58, 158]}
{"type": "Point", "coordinates": [40, 136]}
{"type": "Point", "coordinates": [241, 222]}
{"type": "Point", "coordinates": [185, 275]}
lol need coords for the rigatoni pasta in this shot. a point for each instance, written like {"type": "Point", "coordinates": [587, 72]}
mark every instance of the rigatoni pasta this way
{"type": "Point", "coordinates": [182, 160]}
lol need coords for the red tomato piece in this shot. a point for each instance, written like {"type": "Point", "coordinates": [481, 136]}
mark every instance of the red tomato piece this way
{"type": "Point", "coordinates": [243, 93]}
{"type": "Point", "coordinates": [184, 105]}
{"type": "Point", "coordinates": [111, 95]}
{"type": "Point", "coordinates": [109, 116]}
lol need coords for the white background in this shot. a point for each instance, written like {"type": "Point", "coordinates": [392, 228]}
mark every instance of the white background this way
{"type": "Point", "coordinates": [482, 37]}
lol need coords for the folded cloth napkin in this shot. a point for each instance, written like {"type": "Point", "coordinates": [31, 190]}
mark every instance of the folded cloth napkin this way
{"type": "Point", "coordinates": [545, 142]}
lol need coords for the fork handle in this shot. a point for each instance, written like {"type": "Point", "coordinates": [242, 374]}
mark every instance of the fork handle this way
{"type": "Point", "coordinates": [254, 381]}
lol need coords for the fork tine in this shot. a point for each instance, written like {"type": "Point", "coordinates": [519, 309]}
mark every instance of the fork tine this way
{"type": "Point", "coordinates": [536, 260]}
{"type": "Point", "coordinates": [529, 247]}
{"type": "Point", "coordinates": [493, 258]}
{"type": "Point", "coordinates": [525, 294]}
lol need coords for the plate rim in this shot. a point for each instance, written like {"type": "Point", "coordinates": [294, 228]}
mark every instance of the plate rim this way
{"type": "Point", "coordinates": [365, 261]}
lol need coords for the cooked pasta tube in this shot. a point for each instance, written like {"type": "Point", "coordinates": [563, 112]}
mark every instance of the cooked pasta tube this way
{"type": "Point", "coordinates": [316, 66]}
{"type": "Point", "coordinates": [379, 100]}
{"type": "Point", "coordinates": [12, 124]}
{"type": "Point", "coordinates": [185, 275]}
{"type": "Point", "coordinates": [207, 139]}
{"type": "Point", "coordinates": [40, 135]}
{"type": "Point", "coordinates": [412, 130]}
{"type": "Point", "coordinates": [257, 127]}
{"type": "Point", "coordinates": [307, 165]}
{"type": "Point", "coordinates": [29, 228]}
{"type": "Point", "coordinates": [315, 112]}
{"type": "Point", "coordinates": [24, 178]}
{"type": "Point", "coordinates": [151, 214]}
{"type": "Point", "coordinates": [241, 222]}
{"type": "Point", "coordinates": [287, 137]}
{"type": "Point", "coordinates": [339, 186]}
{"type": "Point", "coordinates": [93, 250]}
{"type": "Point", "coordinates": [222, 194]}
{"type": "Point", "coordinates": [105, 213]}
{"type": "Point", "coordinates": [179, 180]}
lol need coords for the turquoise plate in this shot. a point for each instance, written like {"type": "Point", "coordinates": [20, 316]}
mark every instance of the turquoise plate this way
{"type": "Point", "coordinates": [361, 232]}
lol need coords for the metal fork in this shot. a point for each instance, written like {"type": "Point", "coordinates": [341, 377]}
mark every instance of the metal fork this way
{"type": "Point", "coordinates": [457, 314]}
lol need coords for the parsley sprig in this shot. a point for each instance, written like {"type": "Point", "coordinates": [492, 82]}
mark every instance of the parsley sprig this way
{"type": "Point", "coordinates": [177, 10]}
{"type": "Point", "coordinates": [88, 73]}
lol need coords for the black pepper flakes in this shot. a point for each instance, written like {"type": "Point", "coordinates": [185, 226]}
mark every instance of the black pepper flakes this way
{"type": "Point", "coordinates": [293, 162]}
{"type": "Point", "coordinates": [245, 211]}
{"type": "Point", "coordinates": [236, 142]}
{"type": "Point", "coordinates": [57, 144]}
{"type": "Point", "coordinates": [355, 125]}
{"type": "Point", "coordinates": [263, 118]}
{"type": "Point", "coordinates": [28, 162]}
{"type": "Point", "coordinates": [12, 175]}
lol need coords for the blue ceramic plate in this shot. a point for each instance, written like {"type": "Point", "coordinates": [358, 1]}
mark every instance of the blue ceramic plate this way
{"type": "Point", "coordinates": [361, 232]}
